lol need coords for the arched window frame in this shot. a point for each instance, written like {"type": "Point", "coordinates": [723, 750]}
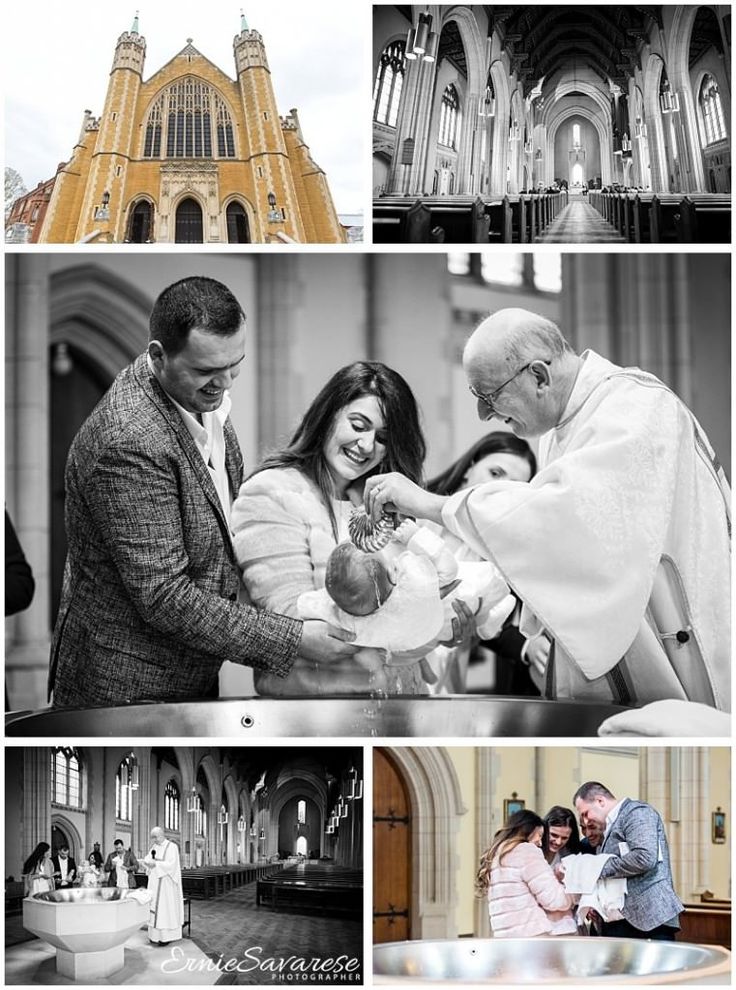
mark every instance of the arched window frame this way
{"type": "Point", "coordinates": [389, 84]}
{"type": "Point", "coordinates": [189, 119]}
{"type": "Point", "coordinates": [711, 111]}
{"type": "Point", "coordinates": [172, 806]}
{"type": "Point", "coordinates": [66, 777]}
{"type": "Point", "coordinates": [301, 812]}
{"type": "Point", "coordinates": [449, 114]}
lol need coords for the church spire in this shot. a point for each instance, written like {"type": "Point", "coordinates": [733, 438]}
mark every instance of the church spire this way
{"type": "Point", "coordinates": [243, 22]}
{"type": "Point", "coordinates": [134, 29]}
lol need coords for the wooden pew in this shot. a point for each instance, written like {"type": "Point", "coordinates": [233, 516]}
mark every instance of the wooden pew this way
{"type": "Point", "coordinates": [704, 220]}
{"type": "Point", "coordinates": [706, 923]}
{"type": "Point", "coordinates": [328, 889]}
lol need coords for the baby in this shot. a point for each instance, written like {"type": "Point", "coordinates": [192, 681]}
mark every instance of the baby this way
{"type": "Point", "coordinates": [398, 597]}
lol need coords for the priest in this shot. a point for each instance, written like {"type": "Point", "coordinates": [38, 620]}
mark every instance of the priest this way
{"type": "Point", "coordinates": [164, 885]}
{"type": "Point", "coordinates": [619, 547]}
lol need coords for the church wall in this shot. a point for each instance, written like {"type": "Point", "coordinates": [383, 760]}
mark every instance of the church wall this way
{"type": "Point", "coordinates": [15, 851]}
{"type": "Point", "coordinates": [464, 761]}
{"type": "Point", "coordinates": [589, 142]}
{"type": "Point", "coordinates": [719, 796]}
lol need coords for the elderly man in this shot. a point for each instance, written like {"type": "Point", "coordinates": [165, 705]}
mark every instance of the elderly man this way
{"type": "Point", "coordinates": [619, 547]}
{"type": "Point", "coordinates": [150, 604]}
{"type": "Point", "coordinates": [634, 837]}
{"type": "Point", "coordinates": [164, 885]}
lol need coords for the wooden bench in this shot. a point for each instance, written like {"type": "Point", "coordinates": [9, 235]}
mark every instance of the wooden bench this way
{"type": "Point", "coordinates": [14, 893]}
{"type": "Point", "coordinates": [706, 923]}
{"type": "Point", "coordinates": [704, 220]}
{"type": "Point", "coordinates": [307, 888]}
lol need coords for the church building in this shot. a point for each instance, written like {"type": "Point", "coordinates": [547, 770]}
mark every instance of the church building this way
{"type": "Point", "coordinates": [191, 156]}
{"type": "Point", "coordinates": [576, 104]}
{"type": "Point", "coordinates": [269, 862]}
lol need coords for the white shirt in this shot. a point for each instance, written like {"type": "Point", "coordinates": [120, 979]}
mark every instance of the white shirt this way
{"type": "Point", "coordinates": [611, 818]}
{"type": "Point", "coordinates": [209, 436]}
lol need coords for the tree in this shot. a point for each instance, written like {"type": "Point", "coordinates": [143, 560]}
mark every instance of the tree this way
{"type": "Point", "coordinates": [14, 189]}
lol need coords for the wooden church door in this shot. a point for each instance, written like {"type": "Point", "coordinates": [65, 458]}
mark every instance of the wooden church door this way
{"type": "Point", "coordinates": [391, 853]}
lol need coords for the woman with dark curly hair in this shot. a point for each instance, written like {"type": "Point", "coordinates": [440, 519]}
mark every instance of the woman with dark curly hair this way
{"type": "Point", "coordinates": [38, 871]}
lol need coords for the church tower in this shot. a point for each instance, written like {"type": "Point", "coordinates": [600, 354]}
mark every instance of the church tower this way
{"type": "Point", "coordinates": [114, 147]}
{"type": "Point", "coordinates": [275, 193]}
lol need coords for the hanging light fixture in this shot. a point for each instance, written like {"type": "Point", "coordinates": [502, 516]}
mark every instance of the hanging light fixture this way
{"type": "Point", "coordinates": [133, 780]}
{"type": "Point", "coordinates": [192, 801]}
{"type": "Point", "coordinates": [241, 824]}
{"type": "Point", "coordinates": [514, 132]}
{"type": "Point", "coordinates": [223, 817]}
{"type": "Point", "coordinates": [625, 143]}
{"type": "Point", "coordinates": [262, 835]}
{"type": "Point", "coordinates": [538, 155]}
{"type": "Point", "coordinates": [422, 41]}
{"type": "Point", "coordinates": [487, 104]}
{"type": "Point", "coordinates": [669, 102]}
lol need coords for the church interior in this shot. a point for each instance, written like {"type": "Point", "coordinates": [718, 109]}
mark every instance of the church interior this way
{"type": "Point", "coordinates": [74, 322]}
{"type": "Point", "coordinates": [270, 845]}
{"type": "Point", "coordinates": [552, 124]}
{"type": "Point", "coordinates": [435, 810]}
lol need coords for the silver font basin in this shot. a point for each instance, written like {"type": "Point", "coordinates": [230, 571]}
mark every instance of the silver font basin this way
{"type": "Point", "coordinates": [560, 961]}
{"type": "Point", "coordinates": [448, 716]}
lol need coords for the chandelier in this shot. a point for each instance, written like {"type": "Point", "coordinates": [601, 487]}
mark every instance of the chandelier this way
{"type": "Point", "coordinates": [421, 42]}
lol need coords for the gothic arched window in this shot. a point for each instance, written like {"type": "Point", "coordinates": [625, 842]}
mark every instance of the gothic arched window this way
{"type": "Point", "coordinates": [448, 117]}
{"type": "Point", "coordinates": [709, 101]}
{"type": "Point", "coordinates": [188, 120]}
{"type": "Point", "coordinates": [389, 83]}
{"type": "Point", "coordinates": [66, 777]}
{"type": "Point", "coordinates": [301, 812]}
{"type": "Point", "coordinates": [172, 806]}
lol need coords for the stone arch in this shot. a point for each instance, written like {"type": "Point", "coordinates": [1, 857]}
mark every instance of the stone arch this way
{"type": "Point", "coordinates": [128, 217]}
{"type": "Point", "coordinates": [678, 72]}
{"type": "Point", "coordinates": [602, 130]}
{"type": "Point", "coordinates": [87, 297]}
{"type": "Point", "coordinates": [436, 802]}
{"type": "Point", "coordinates": [500, 150]}
{"type": "Point", "coordinates": [61, 821]}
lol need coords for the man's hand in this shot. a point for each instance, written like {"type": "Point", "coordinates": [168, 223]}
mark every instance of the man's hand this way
{"type": "Point", "coordinates": [395, 493]}
{"type": "Point", "coordinates": [323, 643]}
{"type": "Point", "coordinates": [536, 653]}
{"type": "Point", "coordinates": [463, 625]}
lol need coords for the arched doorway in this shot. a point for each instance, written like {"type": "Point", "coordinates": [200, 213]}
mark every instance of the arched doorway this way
{"type": "Point", "coordinates": [301, 846]}
{"type": "Point", "coordinates": [59, 839]}
{"type": "Point", "coordinates": [392, 849]}
{"type": "Point", "coordinates": [189, 226]}
{"type": "Point", "coordinates": [577, 174]}
{"type": "Point", "coordinates": [141, 223]}
{"type": "Point", "coordinates": [77, 385]}
{"type": "Point", "coordinates": [238, 231]}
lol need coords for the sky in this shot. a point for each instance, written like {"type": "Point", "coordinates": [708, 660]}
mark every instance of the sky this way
{"type": "Point", "coordinates": [57, 58]}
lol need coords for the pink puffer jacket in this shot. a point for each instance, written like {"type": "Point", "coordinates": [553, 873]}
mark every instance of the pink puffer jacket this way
{"type": "Point", "coordinates": [525, 898]}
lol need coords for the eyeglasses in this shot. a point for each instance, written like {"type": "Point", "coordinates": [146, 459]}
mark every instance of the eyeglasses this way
{"type": "Point", "coordinates": [489, 398]}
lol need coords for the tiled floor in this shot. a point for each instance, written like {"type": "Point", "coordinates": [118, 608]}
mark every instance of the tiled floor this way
{"type": "Point", "coordinates": [580, 223]}
{"type": "Point", "coordinates": [259, 941]}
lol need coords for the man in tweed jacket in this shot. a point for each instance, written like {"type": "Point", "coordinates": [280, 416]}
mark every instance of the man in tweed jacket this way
{"type": "Point", "coordinates": [149, 607]}
{"type": "Point", "coordinates": [634, 836]}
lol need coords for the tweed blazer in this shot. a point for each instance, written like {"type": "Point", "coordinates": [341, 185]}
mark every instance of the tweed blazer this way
{"type": "Point", "coordinates": [650, 899]}
{"type": "Point", "coordinates": [149, 607]}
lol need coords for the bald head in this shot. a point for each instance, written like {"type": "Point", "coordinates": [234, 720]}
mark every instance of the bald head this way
{"type": "Point", "coordinates": [157, 834]}
{"type": "Point", "coordinates": [514, 336]}
{"type": "Point", "coordinates": [521, 369]}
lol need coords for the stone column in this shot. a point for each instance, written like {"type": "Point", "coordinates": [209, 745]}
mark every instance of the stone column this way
{"type": "Point", "coordinates": [36, 797]}
{"type": "Point", "coordinates": [484, 828]}
{"type": "Point", "coordinates": [142, 823]}
{"type": "Point", "coordinates": [27, 467]}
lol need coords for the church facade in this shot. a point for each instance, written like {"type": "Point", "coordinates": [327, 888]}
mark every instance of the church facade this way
{"type": "Point", "coordinates": [489, 101]}
{"type": "Point", "coordinates": [191, 156]}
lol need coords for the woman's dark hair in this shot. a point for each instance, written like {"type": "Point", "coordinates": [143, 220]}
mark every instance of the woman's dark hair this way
{"type": "Point", "coordinates": [405, 446]}
{"type": "Point", "coordinates": [196, 302]}
{"type": "Point", "coordinates": [517, 829]}
{"type": "Point", "coordinates": [499, 442]}
{"type": "Point", "coordinates": [566, 818]}
{"type": "Point", "coordinates": [36, 857]}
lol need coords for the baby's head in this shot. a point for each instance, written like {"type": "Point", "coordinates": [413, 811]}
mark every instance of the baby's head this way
{"type": "Point", "coordinates": [359, 583]}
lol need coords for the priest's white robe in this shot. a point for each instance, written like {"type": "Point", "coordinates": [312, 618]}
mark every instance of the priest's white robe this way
{"type": "Point", "coordinates": [619, 547]}
{"type": "Point", "coordinates": [166, 914]}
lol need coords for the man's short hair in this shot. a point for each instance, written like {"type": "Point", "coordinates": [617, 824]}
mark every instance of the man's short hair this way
{"type": "Point", "coordinates": [196, 302]}
{"type": "Point", "coordinates": [64, 848]}
{"type": "Point", "coordinates": [118, 842]}
{"type": "Point", "coordinates": [590, 790]}
{"type": "Point", "coordinates": [538, 338]}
